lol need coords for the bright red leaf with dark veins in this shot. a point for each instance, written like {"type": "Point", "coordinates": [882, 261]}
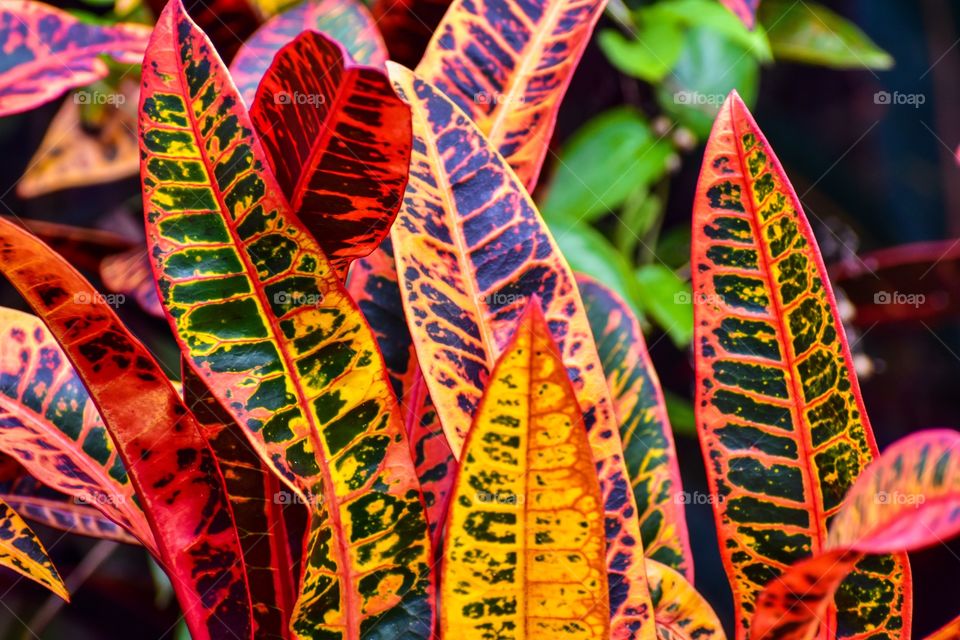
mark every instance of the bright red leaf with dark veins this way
{"type": "Point", "coordinates": [181, 489]}
{"type": "Point", "coordinates": [339, 142]}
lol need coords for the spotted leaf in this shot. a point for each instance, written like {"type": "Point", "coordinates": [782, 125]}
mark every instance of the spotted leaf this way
{"type": "Point", "coordinates": [746, 10]}
{"type": "Point", "coordinates": [648, 447]}
{"type": "Point", "coordinates": [338, 141]}
{"type": "Point", "coordinates": [779, 411]}
{"type": "Point", "coordinates": [907, 499]}
{"type": "Point", "coordinates": [21, 551]}
{"type": "Point", "coordinates": [346, 21]}
{"type": "Point", "coordinates": [129, 274]}
{"type": "Point", "coordinates": [180, 489]}
{"type": "Point", "coordinates": [471, 249]}
{"type": "Point", "coordinates": [407, 26]}
{"type": "Point", "coordinates": [46, 51]}
{"type": "Point", "coordinates": [524, 550]}
{"type": "Point", "coordinates": [51, 426]}
{"type": "Point", "coordinates": [265, 322]}
{"type": "Point", "coordinates": [680, 611]}
{"type": "Point", "coordinates": [507, 65]}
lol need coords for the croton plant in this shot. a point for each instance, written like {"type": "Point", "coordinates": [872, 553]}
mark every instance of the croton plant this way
{"type": "Point", "coordinates": [400, 413]}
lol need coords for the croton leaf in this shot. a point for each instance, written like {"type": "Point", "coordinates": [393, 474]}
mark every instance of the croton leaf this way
{"type": "Point", "coordinates": [471, 249]}
{"type": "Point", "coordinates": [680, 611]}
{"type": "Point", "coordinates": [129, 273]}
{"type": "Point", "coordinates": [21, 550]}
{"type": "Point", "coordinates": [524, 549]}
{"type": "Point", "coordinates": [83, 247]}
{"type": "Point", "coordinates": [346, 21]}
{"type": "Point", "coordinates": [746, 10]}
{"type": "Point", "coordinates": [907, 499]}
{"type": "Point", "coordinates": [407, 26]}
{"type": "Point", "coordinates": [42, 504]}
{"type": "Point", "coordinates": [950, 631]}
{"type": "Point", "coordinates": [338, 142]}
{"type": "Point", "coordinates": [507, 65]}
{"type": "Point", "coordinates": [648, 447]}
{"type": "Point", "coordinates": [779, 411]}
{"type": "Point", "coordinates": [51, 426]}
{"type": "Point", "coordinates": [266, 323]}
{"type": "Point", "coordinates": [47, 51]}
{"type": "Point", "coordinates": [181, 491]}
{"type": "Point", "coordinates": [227, 22]}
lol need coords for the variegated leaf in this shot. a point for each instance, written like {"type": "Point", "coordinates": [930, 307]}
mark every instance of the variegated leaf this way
{"type": "Point", "coordinates": [266, 323]}
{"type": "Point", "coordinates": [648, 447]}
{"type": "Point", "coordinates": [680, 611]}
{"type": "Point", "coordinates": [228, 23]}
{"type": "Point", "coordinates": [346, 21]}
{"type": "Point", "coordinates": [338, 140]}
{"type": "Point", "coordinates": [523, 557]}
{"type": "Point", "coordinates": [21, 551]}
{"type": "Point", "coordinates": [82, 247]}
{"type": "Point", "coordinates": [129, 273]}
{"type": "Point", "coordinates": [507, 65]}
{"type": "Point", "coordinates": [779, 412]}
{"type": "Point", "coordinates": [471, 250]}
{"type": "Point", "coordinates": [45, 51]}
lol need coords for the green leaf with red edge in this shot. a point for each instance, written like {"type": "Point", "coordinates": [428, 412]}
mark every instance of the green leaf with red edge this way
{"type": "Point", "coordinates": [51, 426]}
{"type": "Point", "coordinates": [907, 499]}
{"type": "Point", "coordinates": [22, 551]}
{"type": "Point", "coordinates": [129, 273]}
{"type": "Point", "coordinates": [779, 412]}
{"type": "Point", "coordinates": [180, 488]}
{"type": "Point", "coordinates": [265, 321]}
{"type": "Point", "coordinates": [47, 51]}
{"type": "Point", "coordinates": [42, 504]}
{"type": "Point", "coordinates": [648, 448]}
{"type": "Point", "coordinates": [471, 248]}
{"type": "Point", "coordinates": [507, 65]}
{"type": "Point", "coordinates": [746, 10]}
{"type": "Point", "coordinates": [680, 611]}
{"type": "Point", "coordinates": [407, 26]}
{"type": "Point", "coordinates": [524, 549]}
{"type": "Point", "coordinates": [338, 140]}
{"type": "Point", "coordinates": [346, 21]}
{"type": "Point", "coordinates": [949, 631]}
{"type": "Point", "coordinates": [255, 495]}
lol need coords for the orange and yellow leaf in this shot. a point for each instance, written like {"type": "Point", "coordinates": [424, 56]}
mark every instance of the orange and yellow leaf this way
{"type": "Point", "coordinates": [21, 551]}
{"type": "Point", "coordinates": [680, 611]}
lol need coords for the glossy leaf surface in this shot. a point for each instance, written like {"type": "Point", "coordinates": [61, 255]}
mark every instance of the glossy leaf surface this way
{"type": "Point", "coordinates": [346, 21]}
{"type": "Point", "coordinates": [524, 551]}
{"type": "Point", "coordinates": [129, 273]}
{"type": "Point", "coordinates": [51, 426]}
{"type": "Point", "coordinates": [471, 250]}
{"type": "Point", "coordinates": [746, 10]}
{"type": "Point", "coordinates": [339, 143]}
{"type": "Point", "coordinates": [228, 23]}
{"type": "Point", "coordinates": [779, 411]}
{"type": "Point", "coordinates": [82, 247]}
{"type": "Point", "coordinates": [680, 611]}
{"type": "Point", "coordinates": [46, 51]}
{"type": "Point", "coordinates": [181, 491]}
{"type": "Point", "coordinates": [908, 499]}
{"type": "Point", "coordinates": [644, 428]}
{"type": "Point", "coordinates": [266, 323]}
{"type": "Point", "coordinates": [507, 65]}
{"type": "Point", "coordinates": [22, 551]}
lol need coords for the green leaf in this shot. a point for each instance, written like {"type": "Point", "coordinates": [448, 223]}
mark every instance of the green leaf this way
{"type": "Point", "coordinates": [666, 298]}
{"type": "Point", "coordinates": [813, 34]}
{"type": "Point", "coordinates": [650, 55]}
{"type": "Point", "coordinates": [602, 164]}
{"type": "Point", "coordinates": [713, 16]}
{"type": "Point", "coordinates": [680, 414]}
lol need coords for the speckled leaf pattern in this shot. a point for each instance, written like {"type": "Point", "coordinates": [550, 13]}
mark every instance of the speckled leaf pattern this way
{"type": "Point", "coordinates": [779, 411]}
{"type": "Point", "coordinates": [746, 10]}
{"type": "Point", "coordinates": [21, 551]}
{"type": "Point", "coordinates": [180, 490]}
{"type": "Point", "coordinates": [45, 51]}
{"type": "Point", "coordinates": [82, 247]}
{"type": "Point", "coordinates": [507, 64]}
{"type": "Point", "coordinates": [523, 558]}
{"type": "Point", "coordinates": [648, 447]}
{"type": "Point", "coordinates": [346, 21]}
{"type": "Point", "coordinates": [407, 26]}
{"type": "Point", "coordinates": [48, 424]}
{"type": "Point", "coordinates": [266, 323]}
{"type": "Point", "coordinates": [471, 250]}
{"type": "Point", "coordinates": [908, 499]}
{"type": "Point", "coordinates": [129, 274]}
{"type": "Point", "coordinates": [680, 611]}
{"type": "Point", "coordinates": [338, 140]}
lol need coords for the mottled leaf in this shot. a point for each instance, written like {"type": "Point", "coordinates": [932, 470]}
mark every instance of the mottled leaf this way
{"type": "Point", "coordinates": [266, 323]}
{"type": "Point", "coordinates": [507, 65]}
{"type": "Point", "coordinates": [129, 273]}
{"type": "Point", "coordinates": [46, 51]}
{"type": "Point", "coordinates": [644, 428]}
{"type": "Point", "coordinates": [82, 247]}
{"type": "Point", "coordinates": [228, 23]}
{"type": "Point", "coordinates": [338, 142]}
{"type": "Point", "coordinates": [471, 250]}
{"type": "Point", "coordinates": [779, 411]}
{"type": "Point", "coordinates": [680, 611]}
{"type": "Point", "coordinates": [21, 551]}
{"type": "Point", "coordinates": [346, 21]}
{"type": "Point", "coordinates": [524, 550]}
